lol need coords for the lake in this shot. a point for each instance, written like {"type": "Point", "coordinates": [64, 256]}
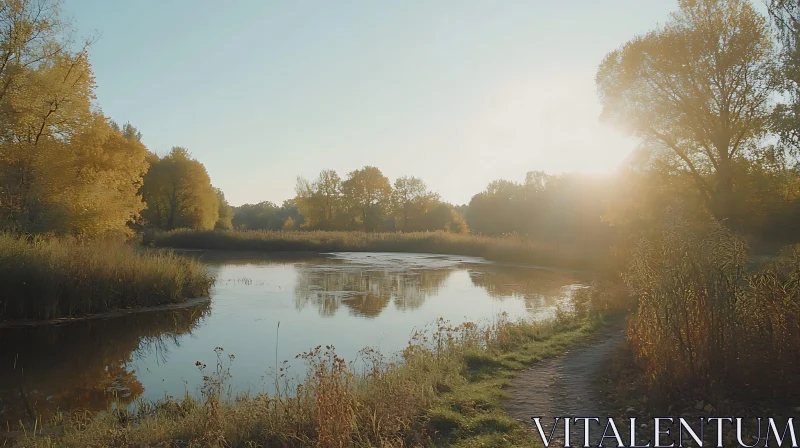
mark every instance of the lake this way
{"type": "Point", "coordinates": [264, 309]}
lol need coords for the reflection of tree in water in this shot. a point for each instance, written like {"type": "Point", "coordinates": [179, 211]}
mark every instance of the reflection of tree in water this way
{"type": "Point", "coordinates": [83, 365]}
{"type": "Point", "coordinates": [539, 288]}
{"type": "Point", "coordinates": [366, 292]}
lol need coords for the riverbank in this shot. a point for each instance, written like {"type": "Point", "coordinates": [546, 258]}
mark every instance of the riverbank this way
{"type": "Point", "coordinates": [505, 249]}
{"type": "Point", "coordinates": [446, 389]}
{"type": "Point", "coordinates": [116, 312]}
{"type": "Point", "coordinates": [46, 279]}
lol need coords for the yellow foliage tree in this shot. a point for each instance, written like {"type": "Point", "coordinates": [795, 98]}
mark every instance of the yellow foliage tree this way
{"type": "Point", "coordinates": [320, 201]}
{"type": "Point", "coordinates": [225, 214]}
{"type": "Point", "coordinates": [63, 168]}
{"type": "Point", "coordinates": [366, 194]}
{"type": "Point", "coordinates": [178, 193]}
{"type": "Point", "coordinates": [697, 91]}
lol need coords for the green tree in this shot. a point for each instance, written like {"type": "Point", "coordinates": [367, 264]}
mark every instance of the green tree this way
{"type": "Point", "coordinates": [261, 216]}
{"type": "Point", "coordinates": [178, 193]}
{"type": "Point", "coordinates": [696, 90]}
{"type": "Point", "coordinates": [289, 210]}
{"type": "Point", "coordinates": [495, 211]}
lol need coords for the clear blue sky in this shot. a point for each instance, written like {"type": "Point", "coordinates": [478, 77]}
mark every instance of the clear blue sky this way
{"type": "Point", "coordinates": [457, 92]}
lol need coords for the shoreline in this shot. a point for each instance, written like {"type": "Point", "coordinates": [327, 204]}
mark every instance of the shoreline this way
{"type": "Point", "coordinates": [118, 312]}
{"type": "Point", "coordinates": [224, 254]}
{"type": "Point", "coordinates": [433, 393]}
{"type": "Point", "coordinates": [508, 249]}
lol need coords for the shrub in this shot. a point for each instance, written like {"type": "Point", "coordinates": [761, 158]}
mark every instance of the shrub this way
{"type": "Point", "coordinates": [703, 320]}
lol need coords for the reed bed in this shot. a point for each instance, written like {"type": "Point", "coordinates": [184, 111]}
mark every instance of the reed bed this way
{"type": "Point", "coordinates": [53, 278]}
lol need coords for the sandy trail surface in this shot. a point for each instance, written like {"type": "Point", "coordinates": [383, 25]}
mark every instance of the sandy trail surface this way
{"type": "Point", "coordinates": [565, 386]}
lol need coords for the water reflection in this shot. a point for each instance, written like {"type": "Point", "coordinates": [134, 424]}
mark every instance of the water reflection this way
{"type": "Point", "coordinates": [366, 290]}
{"type": "Point", "coordinates": [85, 365]}
{"type": "Point", "coordinates": [363, 290]}
{"type": "Point", "coordinates": [538, 288]}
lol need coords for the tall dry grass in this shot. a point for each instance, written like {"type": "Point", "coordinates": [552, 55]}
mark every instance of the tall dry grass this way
{"type": "Point", "coordinates": [705, 320]}
{"type": "Point", "coordinates": [507, 249]}
{"type": "Point", "coordinates": [51, 278]}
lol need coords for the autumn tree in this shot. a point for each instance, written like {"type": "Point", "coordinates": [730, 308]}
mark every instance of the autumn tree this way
{"type": "Point", "coordinates": [411, 201]}
{"type": "Point", "coordinates": [366, 194]}
{"type": "Point", "coordinates": [785, 15]}
{"type": "Point", "coordinates": [63, 168]}
{"type": "Point", "coordinates": [320, 201]}
{"type": "Point", "coordinates": [104, 195]}
{"type": "Point", "coordinates": [697, 92]}
{"type": "Point", "coordinates": [225, 214]}
{"type": "Point", "coordinates": [127, 130]}
{"type": "Point", "coordinates": [178, 193]}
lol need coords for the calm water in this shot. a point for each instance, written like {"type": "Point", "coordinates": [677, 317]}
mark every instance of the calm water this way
{"type": "Point", "coordinates": [350, 300]}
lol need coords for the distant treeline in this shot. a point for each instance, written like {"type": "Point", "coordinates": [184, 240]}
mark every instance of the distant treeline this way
{"type": "Point", "coordinates": [572, 208]}
{"type": "Point", "coordinates": [364, 201]}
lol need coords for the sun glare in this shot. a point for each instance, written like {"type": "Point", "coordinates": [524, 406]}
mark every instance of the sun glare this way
{"type": "Point", "coordinates": [550, 125]}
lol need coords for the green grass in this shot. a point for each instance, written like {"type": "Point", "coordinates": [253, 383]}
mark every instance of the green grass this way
{"type": "Point", "coordinates": [53, 278]}
{"type": "Point", "coordinates": [470, 414]}
{"type": "Point", "coordinates": [506, 249]}
{"type": "Point", "coordinates": [445, 391]}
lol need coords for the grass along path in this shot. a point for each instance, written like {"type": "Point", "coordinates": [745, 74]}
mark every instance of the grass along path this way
{"type": "Point", "coordinates": [475, 414]}
{"type": "Point", "coordinates": [447, 390]}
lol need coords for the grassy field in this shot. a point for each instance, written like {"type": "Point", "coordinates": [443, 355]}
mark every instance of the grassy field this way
{"type": "Point", "coordinates": [445, 390]}
{"type": "Point", "coordinates": [53, 278]}
{"type": "Point", "coordinates": [507, 249]}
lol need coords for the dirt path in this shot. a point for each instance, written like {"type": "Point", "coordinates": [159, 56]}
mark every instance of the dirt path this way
{"type": "Point", "coordinates": [564, 386]}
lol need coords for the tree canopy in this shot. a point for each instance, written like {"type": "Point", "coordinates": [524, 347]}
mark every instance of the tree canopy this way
{"type": "Point", "coordinates": [178, 193]}
{"type": "Point", "coordinates": [64, 167]}
{"type": "Point", "coordinates": [696, 91]}
{"type": "Point", "coordinates": [366, 201]}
